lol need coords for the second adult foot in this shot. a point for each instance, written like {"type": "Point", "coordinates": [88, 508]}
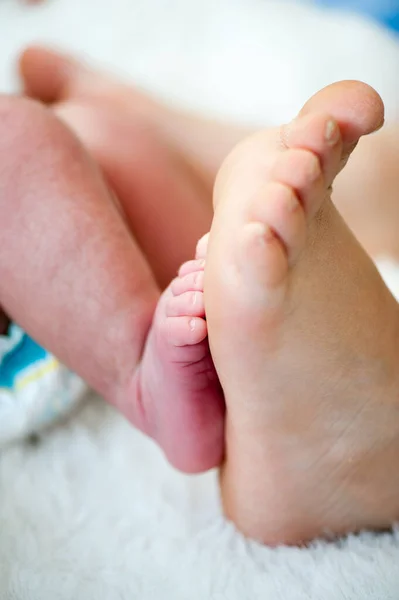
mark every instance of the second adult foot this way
{"type": "Point", "coordinates": [304, 334]}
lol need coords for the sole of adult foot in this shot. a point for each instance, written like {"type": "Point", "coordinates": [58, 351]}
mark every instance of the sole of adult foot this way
{"type": "Point", "coordinates": [304, 334]}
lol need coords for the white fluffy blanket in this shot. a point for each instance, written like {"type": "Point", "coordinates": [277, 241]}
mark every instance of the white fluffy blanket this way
{"type": "Point", "coordinates": [91, 511]}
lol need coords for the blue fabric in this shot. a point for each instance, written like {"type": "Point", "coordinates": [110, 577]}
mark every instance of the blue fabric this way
{"type": "Point", "coordinates": [25, 353]}
{"type": "Point", "coordinates": [384, 11]}
{"type": "Point", "coordinates": [35, 388]}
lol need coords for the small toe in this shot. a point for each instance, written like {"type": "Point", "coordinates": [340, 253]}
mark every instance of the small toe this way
{"type": "Point", "coordinates": [185, 331]}
{"type": "Point", "coordinates": [191, 266]}
{"type": "Point", "coordinates": [189, 304]}
{"type": "Point", "coordinates": [192, 282]}
{"type": "Point", "coordinates": [279, 208]}
{"type": "Point", "coordinates": [301, 170]}
{"type": "Point", "coordinates": [202, 247]}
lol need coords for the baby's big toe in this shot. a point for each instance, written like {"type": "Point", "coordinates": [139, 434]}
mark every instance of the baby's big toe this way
{"type": "Point", "coordinates": [202, 247]}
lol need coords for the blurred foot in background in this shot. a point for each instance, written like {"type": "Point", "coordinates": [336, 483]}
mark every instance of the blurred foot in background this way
{"type": "Point", "coordinates": [107, 115]}
{"type": "Point", "coordinates": [111, 119]}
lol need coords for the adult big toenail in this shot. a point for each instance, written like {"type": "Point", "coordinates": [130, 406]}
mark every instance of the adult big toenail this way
{"type": "Point", "coordinates": [331, 133]}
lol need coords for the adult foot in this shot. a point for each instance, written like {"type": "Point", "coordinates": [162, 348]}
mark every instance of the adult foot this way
{"type": "Point", "coordinates": [176, 389]}
{"type": "Point", "coordinates": [304, 334]}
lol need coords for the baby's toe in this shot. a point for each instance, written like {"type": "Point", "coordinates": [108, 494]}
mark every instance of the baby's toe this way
{"type": "Point", "coordinates": [192, 282]}
{"type": "Point", "coordinates": [202, 247]}
{"type": "Point", "coordinates": [185, 331]}
{"type": "Point", "coordinates": [190, 304]}
{"type": "Point", "coordinates": [191, 266]}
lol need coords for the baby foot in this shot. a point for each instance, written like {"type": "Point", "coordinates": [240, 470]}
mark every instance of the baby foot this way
{"type": "Point", "coordinates": [304, 334]}
{"type": "Point", "coordinates": [176, 385]}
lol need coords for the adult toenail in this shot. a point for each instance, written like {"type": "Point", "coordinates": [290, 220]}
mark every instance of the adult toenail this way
{"type": "Point", "coordinates": [331, 133]}
{"type": "Point", "coordinates": [292, 201]}
{"type": "Point", "coordinates": [314, 167]}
